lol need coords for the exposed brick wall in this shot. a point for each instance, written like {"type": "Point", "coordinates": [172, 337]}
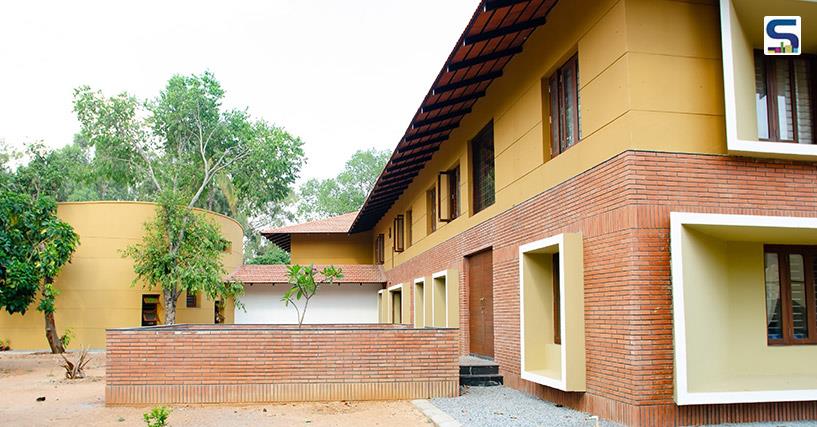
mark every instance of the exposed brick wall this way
{"type": "Point", "coordinates": [622, 207]}
{"type": "Point", "coordinates": [263, 363]}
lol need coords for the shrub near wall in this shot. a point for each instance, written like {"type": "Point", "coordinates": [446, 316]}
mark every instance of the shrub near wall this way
{"type": "Point", "coordinates": [279, 363]}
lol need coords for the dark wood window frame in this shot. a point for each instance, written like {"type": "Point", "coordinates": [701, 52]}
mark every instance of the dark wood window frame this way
{"type": "Point", "coordinates": [380, 249]}
{"type": "Point", "coordinates": [451, 178]}
{"type": "Point", "coordinates": [483, 182]}
{"type": "Point", "coordinates": [773, 121]}
{"type": "Point", "coordinates": [409, 227]}
{"type": "Point", "coordinates": [431, 210]}
{"type": "Point", "coordinates": [560, 93]}
{"type": "Point", "coordinates": [150, 310]}
{"type": "Point", "coordinates": [557, 300]}
{"type": "Point", "coordinates": [399, 244]}
{"type": "Point", "coordinates": [192, 300]}
{"type": "Point", "coordinates": [809, 254]}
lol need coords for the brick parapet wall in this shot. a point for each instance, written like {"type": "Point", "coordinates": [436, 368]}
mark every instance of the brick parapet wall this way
{"type": "Point", "coordinates": [622, 208]}
{"type": "Point", "coordinates": [270, 363]}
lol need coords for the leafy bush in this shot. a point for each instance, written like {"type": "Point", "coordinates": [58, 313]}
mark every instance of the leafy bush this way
{"type": "Point", "coordinates": [5, 345]}
{"type": "Point", "coordinates": [157, 417]}
{"type": "Point", "coordinates": [304, 284]}
{"type": "Point", "coordinates": [66, 338]}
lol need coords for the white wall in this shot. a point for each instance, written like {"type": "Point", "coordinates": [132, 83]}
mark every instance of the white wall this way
{"type": "Point", "coordinates": [346, 303]}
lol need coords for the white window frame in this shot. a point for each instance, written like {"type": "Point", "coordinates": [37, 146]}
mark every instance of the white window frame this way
{"type": "Point", "coordinates": [682, 394]}
{"type": "Point", "coordinates": [734, 144]}
{"type": "Point", "coordinates": [566, 339]}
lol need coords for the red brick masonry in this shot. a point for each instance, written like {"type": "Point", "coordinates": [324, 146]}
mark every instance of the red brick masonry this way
{"type": "Point", "coordinates": [279, 363]}
{"type": "Point", "coordinates": [622, 208]}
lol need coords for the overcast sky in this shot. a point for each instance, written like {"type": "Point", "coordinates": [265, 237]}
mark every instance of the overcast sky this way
{"type": "Point", "coordinates": [342, 75]}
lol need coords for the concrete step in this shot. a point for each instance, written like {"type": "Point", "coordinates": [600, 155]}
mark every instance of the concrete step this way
{"type": "Point", "coordinates": [479, 370]}
{"type": "Point", "coordinates": [481, 380]}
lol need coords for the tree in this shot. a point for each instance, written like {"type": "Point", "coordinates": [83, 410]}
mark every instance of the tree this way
{"type": "Point", "coordinates": [270, 253]}
{"type": "Point", "coordinates": [5, 157]}
{"type": "Point", "coordinates": [184, 141]}
{"type": "Point", "coordinates": [181, 252]}
{"type": "Point", "coordinates": [34, 245]}
{"type": "Point", "coordinates": [323, 198]}
{"type": "Point", "coordinates": [304, 285]}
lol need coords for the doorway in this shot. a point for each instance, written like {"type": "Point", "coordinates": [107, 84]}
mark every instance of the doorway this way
{"type": "Point", "coordinates": [480, 276]}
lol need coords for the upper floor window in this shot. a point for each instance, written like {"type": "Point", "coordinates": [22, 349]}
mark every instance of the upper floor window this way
{"type": "Point", "coordinates": [409, 225]}
{"type": "Point", "coordinates": [399, 233]}
{"type": "Point", "coordinates": [784, 88]}
{"type": "Point", "coordinates": [791, 317]}
{"type": "Point", "coordinates": [431, 210]}
{"type": "Point", "coordinates": [563, 87]}
{"type": "Point", "coordinates": [482, 168]}
{"type": "Point", "coordinates": [448, 183]}
{"type": "Point", "coordinates": [380, 249]}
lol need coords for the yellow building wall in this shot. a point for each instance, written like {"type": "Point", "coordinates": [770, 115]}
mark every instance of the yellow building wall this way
{"type": "Point", "coordinates": [338, 248]}
{"type": "Point", "coordinates": [95, 288]}
{"type": "Point", "coordinates": [724, 297]}
{"type": "Point", "coordinates": [649, 78]}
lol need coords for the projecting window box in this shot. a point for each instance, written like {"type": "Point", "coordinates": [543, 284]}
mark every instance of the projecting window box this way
{"type": "Point", "coordinates": [551, 292]}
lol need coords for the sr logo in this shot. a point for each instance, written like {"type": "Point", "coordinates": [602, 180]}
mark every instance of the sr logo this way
{"type": "Point", "coordinates": [781, 35]}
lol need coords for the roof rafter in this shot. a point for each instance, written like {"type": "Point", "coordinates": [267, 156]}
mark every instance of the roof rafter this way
{"type": "Point", "coordinates": [467, 82]}
{"type": "Point", "coordinates": [441, 117]}
{"type": "Point", "coordinates": [453, 101]}
{"type": "Point", "coordinates": [497, 54]}
{"type": "Point", "coordinates": [496, 4]}
{"type": "Point", "coordinates": [503, 31]}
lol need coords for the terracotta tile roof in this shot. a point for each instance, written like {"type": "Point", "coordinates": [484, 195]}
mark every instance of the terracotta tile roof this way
{"type": "Point", "coordinates": [496, 33]}
{"type": "Point", "coordinates": [336, 224]}
{"type": "Point", "coordinates": [352, 273]}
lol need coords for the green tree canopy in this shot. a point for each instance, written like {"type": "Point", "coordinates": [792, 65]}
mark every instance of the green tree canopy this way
{"type": "Point", "coordinates": [323, 198]}
{"type": "Point", "coordinates": [186, 142]}
{"type": "Point", "coordinates": [181, 252]}
{"type": "Point", "coordinates": [34, 245]}
{"type": "Point", "coordinates": [270, 253]}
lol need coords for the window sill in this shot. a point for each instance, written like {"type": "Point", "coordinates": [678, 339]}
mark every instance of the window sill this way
{"type": "Point", "coordinates": [771, 149]}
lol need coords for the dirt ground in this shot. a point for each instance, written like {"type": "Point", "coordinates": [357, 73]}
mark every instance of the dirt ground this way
{"type": "Point", "coordinates": [26, 377]}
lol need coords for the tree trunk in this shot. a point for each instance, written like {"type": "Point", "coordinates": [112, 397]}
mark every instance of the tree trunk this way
{"type": "Point", "coordinates": [51, 334]}
{"type": "Point", "coordinates": [170, 306]}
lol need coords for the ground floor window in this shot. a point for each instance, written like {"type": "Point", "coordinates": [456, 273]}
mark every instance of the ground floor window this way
{"type": "Point", "coordinates": [150, 310]}
{"type": "Point", "coordinates": [192, 300]}
{"type": "Point", "coordinates": [791, 294]}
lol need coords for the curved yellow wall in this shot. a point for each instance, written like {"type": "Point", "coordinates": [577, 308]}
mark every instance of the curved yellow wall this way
{"type": "Point", "coordinates": [96, 291]}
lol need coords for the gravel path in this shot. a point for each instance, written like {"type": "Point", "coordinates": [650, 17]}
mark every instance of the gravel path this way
{"type": "Point", "coordinates": [772, 424]}
{"type": "Point", "coordinates": [502, 406]}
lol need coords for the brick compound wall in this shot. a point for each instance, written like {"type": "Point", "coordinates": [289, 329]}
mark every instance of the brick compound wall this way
{"type": "Point", "coordinates": [622, 208]}
{"type": "Point", "coordinates": [197, 364]}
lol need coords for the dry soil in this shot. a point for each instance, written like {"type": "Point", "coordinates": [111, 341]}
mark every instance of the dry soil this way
{"type": "Point", "coordinates": [25, 377]}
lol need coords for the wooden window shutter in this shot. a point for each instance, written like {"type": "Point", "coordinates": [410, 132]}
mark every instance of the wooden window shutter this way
{"type": "Point", "coordinates": [380, 249]}
{"type": "Point", "coordinates": [443, 196]}
{"type": "Point", "coordinates": [448, 199]}
{"type": "Point", "coordinates": [399, 234]}
{"type": "Point", "coordinates": [555, 116]}
{"type": "Point", "coordinates": [409, 226]}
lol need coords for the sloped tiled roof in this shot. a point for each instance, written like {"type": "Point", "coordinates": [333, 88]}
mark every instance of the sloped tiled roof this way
{"type": "Point", "coordinates": [282, 236]}
{"type": "Point", "coordinates": [336, 224]}
{"type": "Point", "coordinates": [496, 33]}
{"type": "Point", "coordinates": [352, 273]}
